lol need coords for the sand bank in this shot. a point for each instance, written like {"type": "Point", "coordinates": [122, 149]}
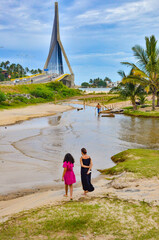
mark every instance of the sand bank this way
{"type": "Point", "coordinates": [125, 186]}
{"type": "Point", "coordinates": [15, 115]}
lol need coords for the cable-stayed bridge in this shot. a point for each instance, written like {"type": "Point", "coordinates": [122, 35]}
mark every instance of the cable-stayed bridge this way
{"type": "Point", "coordinates": [53, 69]}
{"type": "Point", "coordinates": [54, 62]}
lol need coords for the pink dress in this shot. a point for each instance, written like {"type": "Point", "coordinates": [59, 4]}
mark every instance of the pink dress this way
{"type": "Point", "coordinates": [69, 176]}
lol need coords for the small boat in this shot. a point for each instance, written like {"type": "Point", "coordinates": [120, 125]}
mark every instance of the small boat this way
{"type": "Point", "coordinates": [78, 109]}
{"type": "Point", "coordinates": [105, 111]}
{"type": "Point", "coordinates": [108, 115]}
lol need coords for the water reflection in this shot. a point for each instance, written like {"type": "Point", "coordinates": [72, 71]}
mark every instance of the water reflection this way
{"type": "Point", "coordinates": [140, 131]}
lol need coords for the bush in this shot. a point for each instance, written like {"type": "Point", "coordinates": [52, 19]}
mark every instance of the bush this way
{"type": "Point", "coordinates": [42, 93]}
{"type": "Point", "coordinates": [21, 99]}
{"type": "Point", "coordinates": [56, 86]}
{"type": "Point", "coordinates": [2, 97]}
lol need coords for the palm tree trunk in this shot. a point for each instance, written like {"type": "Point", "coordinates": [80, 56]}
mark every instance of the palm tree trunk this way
{"type": "Point", "coordinates": [134, 103]}
{"type": "Point", "coordinates": [153, 99]}
{"type": "Point", "coordinates": [157, 99]}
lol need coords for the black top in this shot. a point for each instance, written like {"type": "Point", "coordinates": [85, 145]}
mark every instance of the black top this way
{"type": "Point", "coordinates": [86, 162]}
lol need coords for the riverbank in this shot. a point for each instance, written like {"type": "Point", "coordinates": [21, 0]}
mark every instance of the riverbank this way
{"type": "Point", "coordinates": [118, 208]}
{"type": "Point", "coordinates": [143, 112]}
{"type": "Point", "coordinates": [12, 116]}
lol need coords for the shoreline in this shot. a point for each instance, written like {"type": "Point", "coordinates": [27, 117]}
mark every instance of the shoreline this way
{"type": "Point", "coordinates": [16, 115]}
{"type": "Point", "coordinates": [123, 187]}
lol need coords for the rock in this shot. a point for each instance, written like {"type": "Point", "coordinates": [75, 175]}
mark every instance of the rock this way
{"type": "Point", "coordinates": [119, 185]}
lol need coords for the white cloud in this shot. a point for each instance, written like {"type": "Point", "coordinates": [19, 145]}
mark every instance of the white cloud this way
{"type": "Point", "coordinates": [125, 12]}
{"type": "Point", "coordinates": [90, 55]}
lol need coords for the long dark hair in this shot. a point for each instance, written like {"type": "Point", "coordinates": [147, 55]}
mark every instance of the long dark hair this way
{"type": "Point", "coordinates": [68, 158]}
{"type": "Point", "coordinates": [84, 151]}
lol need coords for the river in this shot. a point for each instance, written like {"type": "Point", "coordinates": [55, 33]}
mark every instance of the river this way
{"type": "Point", "coordinates": [32, 152]}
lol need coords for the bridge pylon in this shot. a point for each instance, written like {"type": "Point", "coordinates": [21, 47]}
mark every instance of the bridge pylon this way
{"type": "Point", "coordinates": [54, 62]}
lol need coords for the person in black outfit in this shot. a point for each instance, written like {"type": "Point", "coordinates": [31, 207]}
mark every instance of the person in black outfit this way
{"type": "Point", "coordinates": [86, 166]}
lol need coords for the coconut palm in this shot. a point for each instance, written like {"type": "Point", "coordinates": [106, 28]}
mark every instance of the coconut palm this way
{"type": "Point", "coordinates": [147, 71]}
{"type": "Point", "coordinates": [129, 89]}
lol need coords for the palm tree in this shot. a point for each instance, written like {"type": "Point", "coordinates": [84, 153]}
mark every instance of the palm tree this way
{"type": "Point", "coordinates": [129, 89]}
{"type": "Point", "coordinates": [147, 71]}
{"type": "Point", "coordinates": [6, 65]}
{"type": "Point", "coordinates": [39, 70]}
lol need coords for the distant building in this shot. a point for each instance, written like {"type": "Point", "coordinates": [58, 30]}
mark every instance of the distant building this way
{"type": "Point", "coordinates": [5, 73]}
{"type": "Point", "coordinates": [113, 84]}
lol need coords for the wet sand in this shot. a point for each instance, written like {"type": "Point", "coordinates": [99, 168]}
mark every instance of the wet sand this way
{"type": "Point", "coordinates": [15, 115]}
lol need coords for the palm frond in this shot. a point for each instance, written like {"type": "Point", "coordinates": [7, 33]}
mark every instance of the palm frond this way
{"type": "Point", "coordinates": [129, 64]}
{"type": "Point", "coordinates": [141, 55]}
{"type": "Point", "coordinates": [122, 73]}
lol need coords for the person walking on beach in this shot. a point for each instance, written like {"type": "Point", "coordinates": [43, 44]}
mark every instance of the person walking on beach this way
{"type": "Point", "coordinates": [98, 108]}
{"type": "Point", "coordinates": [86, 166]}
{"type": "Point", "coordinates": [68, 175]}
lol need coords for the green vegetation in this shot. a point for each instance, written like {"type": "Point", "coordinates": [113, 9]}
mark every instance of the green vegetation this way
{"type": "Point", "coordinates": [138, 113]}
{"type": "Point", "coordinates": [105, 99]}
{"type": "Point", "coordinates": [21, 95]}
{"type": "Point", "coordinates": [2, 97]}
{"type": "Point", "coordinates": [15, 70]}
{"type": "Point", "coordinates": [146, 72]}
{"type": "Point", "coordinates": [97, 82]}
{"type": "Point", "coordinates": [142, 162]}
{"type": "Point", "coordinates": [95, 219]}
{"type": "Point", "coordinates": [130, 90]}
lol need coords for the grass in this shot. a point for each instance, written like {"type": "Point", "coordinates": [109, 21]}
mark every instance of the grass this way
{"type": "Point", "coordinates": [142, 162]}
{"type": "Point", "coordinates": [39, 93]}
{"type": "Point", "coordinates": [105, 99]}
{"type": "Point", "coordinates": [138, 113]}
{"type": "Point", "coordinates": [100, 218]}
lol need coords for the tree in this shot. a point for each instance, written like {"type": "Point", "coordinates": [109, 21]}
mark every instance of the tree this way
{"type": "Point", "coordinates": [85, 84]}
{"type": "Point", "coordinates": [106, 79]}
{"type": "Point", "coordinates": [128, 89]}
{"type": "Point", "coordinates": [39, 70]}
{"type": "Point", "coordinates": [147, 71]}
{"type": "Point", "coordinates": [90, 81]}
{"type": "Point", "coordinates": [26, 69]}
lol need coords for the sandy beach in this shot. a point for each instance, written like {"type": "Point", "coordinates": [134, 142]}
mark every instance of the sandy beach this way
{"type": "Point", "coordinates": [15, 115]}
{"type": "Point", "coordinates": [124, 186]}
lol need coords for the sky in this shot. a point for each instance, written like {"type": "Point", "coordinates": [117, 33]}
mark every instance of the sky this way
{"type": "Point", "coordinates": [97, 35]}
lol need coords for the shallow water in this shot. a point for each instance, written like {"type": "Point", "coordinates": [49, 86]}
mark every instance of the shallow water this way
{"type": "Point", "coordinates": [31, 152]}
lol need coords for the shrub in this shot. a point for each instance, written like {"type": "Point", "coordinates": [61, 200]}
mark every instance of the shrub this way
{"type": "Point", "coordinates": [2, 97]}
{"type": "Point", "coordinates": [21, 99]}
{"type": "Point", "coordinates": [56, 86]}
{"type": "Point", "coordinates": [42, 93]}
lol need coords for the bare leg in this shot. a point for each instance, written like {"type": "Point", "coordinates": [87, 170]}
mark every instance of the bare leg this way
{"type": "Point", "coordinates": [85, 193]}
{"type": "Point", "coordinates": [71, 191]}
{"type": "Point", "coordinates": [66, 190]}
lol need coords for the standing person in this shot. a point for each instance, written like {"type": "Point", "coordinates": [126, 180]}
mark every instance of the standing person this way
{"type": "Point", "coordinates": [86, 166]}
{"type": "Point", "coordinates": [98, 108]}
{"type": "Point", "coordinates": [68, 175]}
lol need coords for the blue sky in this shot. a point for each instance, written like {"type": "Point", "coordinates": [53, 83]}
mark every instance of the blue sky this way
{"type": "Point", "coordinates": [97, 35]}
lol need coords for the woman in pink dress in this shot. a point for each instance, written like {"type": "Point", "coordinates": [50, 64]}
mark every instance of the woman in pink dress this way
{"type": "Point", "coordinates": [68, 175]}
